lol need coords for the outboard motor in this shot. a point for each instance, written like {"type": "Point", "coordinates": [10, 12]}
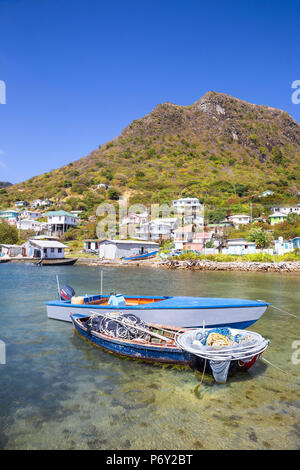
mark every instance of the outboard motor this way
{"type": "Point", "coordinates": [66, 292]}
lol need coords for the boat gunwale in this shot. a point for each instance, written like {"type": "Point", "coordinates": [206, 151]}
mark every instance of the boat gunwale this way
{"type": "Point", "coordinates": [136, 342]}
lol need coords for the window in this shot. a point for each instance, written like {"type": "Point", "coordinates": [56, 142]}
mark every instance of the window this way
{"type": "Point", "coordinates": [59, 250]}
{"type": "Point", "coordinates": [52, 250]}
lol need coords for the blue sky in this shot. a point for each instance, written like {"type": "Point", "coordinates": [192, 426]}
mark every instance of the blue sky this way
{"type": "Point", "coordinates": [78, 71]}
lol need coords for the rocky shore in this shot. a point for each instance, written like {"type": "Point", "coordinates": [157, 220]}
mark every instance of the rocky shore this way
{"type": "Point", "coordinates": [205, 265]}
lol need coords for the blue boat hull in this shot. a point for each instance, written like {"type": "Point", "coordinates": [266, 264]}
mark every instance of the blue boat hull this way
{"type": "Point", "coordinates": [141, 257]}
{"type": "Point", "coordinates": [133, 349]}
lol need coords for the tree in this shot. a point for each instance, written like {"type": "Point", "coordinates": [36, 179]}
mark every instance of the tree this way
{"type": "Point", "coordinates": [8, 233]}
{"type": "Point", "coordinates": [261, 237]}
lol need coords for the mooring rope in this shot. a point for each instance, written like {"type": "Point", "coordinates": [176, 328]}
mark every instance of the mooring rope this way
{"type": "Point", "coordinates": [276, 367]}
{"type": "Point", "coordinates": [287, 313]}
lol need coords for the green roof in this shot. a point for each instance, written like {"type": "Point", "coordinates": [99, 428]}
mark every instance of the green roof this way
{"type": "Point", "coordinates": [59, 213]}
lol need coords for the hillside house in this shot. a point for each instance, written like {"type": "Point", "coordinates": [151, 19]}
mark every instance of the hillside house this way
{"type": "Point", "coordinates": [27, 214]}
{"type": "Point", "coordinates": [10, 216]}
{"type": "Point", "coordinates": [191, 210]}
{"type": "Point", "coordinates": [277, 218]}
{"type": "Point", "coordinates": [286, 209]}
{"type": "Point", "coordinates": [183, 235]}
{"type": "Point", "coordinates": [60, 221]}
{"type": "Point", "coordinates": [239, 219]}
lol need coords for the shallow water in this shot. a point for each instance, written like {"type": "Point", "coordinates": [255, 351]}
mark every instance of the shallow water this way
{"type": "Point", "coordinates": [59, 392]}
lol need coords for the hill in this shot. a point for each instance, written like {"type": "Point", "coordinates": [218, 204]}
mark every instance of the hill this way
{"type": "Point", "coordinates": [221, 149]}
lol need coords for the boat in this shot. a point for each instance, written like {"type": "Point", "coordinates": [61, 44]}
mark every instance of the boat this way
{"type": "Point", "coordinates": [4, 260]}
{"type": "Point", "coordinates": [172, 311]}
{"type": "Point", "coordinates": [223, 350]}
{"type": "Point", "coordinates": [141, 256]}
{"type": "Point", "coordinates": [127, 335]}
{"type": "Point", "coordinates": [149, 342]}
{"type": "Point", "coordinates": [56, 262]}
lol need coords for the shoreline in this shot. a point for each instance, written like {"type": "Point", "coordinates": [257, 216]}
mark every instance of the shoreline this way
{"type": "Point", "coordinates": [193, 265]}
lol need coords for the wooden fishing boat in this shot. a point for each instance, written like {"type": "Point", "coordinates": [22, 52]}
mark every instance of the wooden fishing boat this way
{"type": "Point", "coordinates": [56, 262]}
{"type": "Point", "coordinates": [127, 335]}
{"type": "Point", "coordinates": [156, 345]}
{"type": "Point", "coordinates": [4, 260]}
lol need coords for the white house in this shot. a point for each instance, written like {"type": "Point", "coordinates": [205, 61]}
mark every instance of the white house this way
{"type": "Point", "coordinates": [287, 209]}
{"type": "Point", "coordinates": [30, 224]}
{"type": "Point", "coordinates": [27, 214]}
{"type": "Point", "coordinates": [44, 249]}
{"type": "Point", "coordinates": [239, 246]}
{"type": "Point", "coordinates": [42, 203]}
{"type": "Point", "coordinates": [282, 246]}
{"type": "Point", "coordinates": [60, 221]}
{"type": "Point", "coordinates": [239, 219]}
{"type": "Point", "coordinates": [266, 193]}
{"type": "Point", "coordinates": [21, 203]}
{"type": "Point", "coordinates": [117, 249]}
{"type": "Point", "coordinates": [133, 218]}
{"type": "Point", "coordinates": [162, 227]}
{"type": "Point", "coordinates": [191, 209]}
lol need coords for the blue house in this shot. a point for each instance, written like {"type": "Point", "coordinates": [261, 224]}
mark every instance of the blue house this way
{"type": "Point", "coordinates": [296, 242]}
{"type": "Point", "coordinates": [9, 215]}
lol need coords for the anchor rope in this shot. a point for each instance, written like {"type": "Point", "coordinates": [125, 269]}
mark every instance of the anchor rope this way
{"type": "Point", "coordinates": [284, 311]}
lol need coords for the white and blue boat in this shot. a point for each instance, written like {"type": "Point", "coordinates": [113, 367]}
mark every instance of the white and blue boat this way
{"type": "Point", "coordinates": [172, 311]}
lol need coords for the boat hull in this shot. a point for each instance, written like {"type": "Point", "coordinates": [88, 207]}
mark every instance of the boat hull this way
{"type": "Point", "coordinates": [58, 262]}
{"type": "Point", "coordinates": [185, 313]}
{"type": "Point", "coordinates": [136, 350]}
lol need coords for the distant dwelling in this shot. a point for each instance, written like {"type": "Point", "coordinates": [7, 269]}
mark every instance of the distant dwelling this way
{"type": "Point", "coordinates": [27, 214]}
{"type": "Point", "coordinates": [282, 246]}
{"type": "Point", "coordinates": [198, 241]}
{"type": "Point", "coordinates": [266, 193]}
{"type": "Point", "coordinates": [76, 213]}
{"type": "Point", "coordinates": [239, 219]}
{"type": "Point", "coordinates": [133, 218]}
{"type": "Point", "coordinates": [44, 249]}
{"type": "Point", "coordinates": [117, 249]}
{"type": "Point", "coordinates": [102, 185]}
{"type": "Point", "coordinates": [286, 209]}
{"type": "Point", "coordinates": [160, 228]}
{"type": "Point", "coordinates": [60, 221]}
{"type": "Point", "coordinates": [10, 216]}
{"type": "Point", "coordinates": [11, 250]}
{"type": "Point", "coordinates": [42, 203]}
{"type": "Point", "coordinates": [21, 203]}
{"type": "Point", "coordinates": [91, 245]}
{"type": "Point", "coordinates": [183, 235]}
{"type": "Point", "coordinates": [239, 246]}
{"type": "Point", "coordinates": [30, 224]}
{"type": "Point", "coordinates": [277, 218]}
{"type": "Point", "coordinates": [191, 209]}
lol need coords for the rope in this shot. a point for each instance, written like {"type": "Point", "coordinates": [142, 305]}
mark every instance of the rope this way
{"type": "Point", "coordinates": [287, 313]}
{"type": "Point", "coordinates": [276, 367]}
{"type": "Point", "coordinates": [196, 389]}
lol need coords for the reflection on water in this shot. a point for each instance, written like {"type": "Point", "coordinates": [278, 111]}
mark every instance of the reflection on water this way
{"type": "Point", "coordinates": [58, 392]}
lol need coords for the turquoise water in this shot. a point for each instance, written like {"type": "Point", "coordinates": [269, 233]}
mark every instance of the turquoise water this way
{"type": "Point", "coordinates": [58, 392]}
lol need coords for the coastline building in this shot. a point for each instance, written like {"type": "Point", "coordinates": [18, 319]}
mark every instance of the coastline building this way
{"type": "Point", "coordinates": [35, 248]}
{"type": "Point", "coordinates": [117, 249]}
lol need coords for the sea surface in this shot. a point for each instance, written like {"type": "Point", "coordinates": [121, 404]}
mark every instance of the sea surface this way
{"type": "Point", "coordinates": [59, 392]}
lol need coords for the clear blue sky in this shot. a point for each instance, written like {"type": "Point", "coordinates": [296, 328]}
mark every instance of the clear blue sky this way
{"type": "Point", "coordinates": [78, 71]}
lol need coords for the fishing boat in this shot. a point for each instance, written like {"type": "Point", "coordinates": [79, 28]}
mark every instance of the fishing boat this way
{"type": "Point", "coordinates": [141, 256]}
{"type": "Point", "coordinates": [127, 335]}
{"type": "Point", "coordinates": [4, 260]}
{"type": "Point", "coordinates": [56, 262]}
{"type": "Point", "coordinates": [221, 351]}
{"type": "Point", "coordinates": [172, 311]}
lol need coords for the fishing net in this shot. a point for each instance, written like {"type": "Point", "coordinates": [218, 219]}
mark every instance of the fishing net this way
{"type": "Point", "coordinates": [124, 326]}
